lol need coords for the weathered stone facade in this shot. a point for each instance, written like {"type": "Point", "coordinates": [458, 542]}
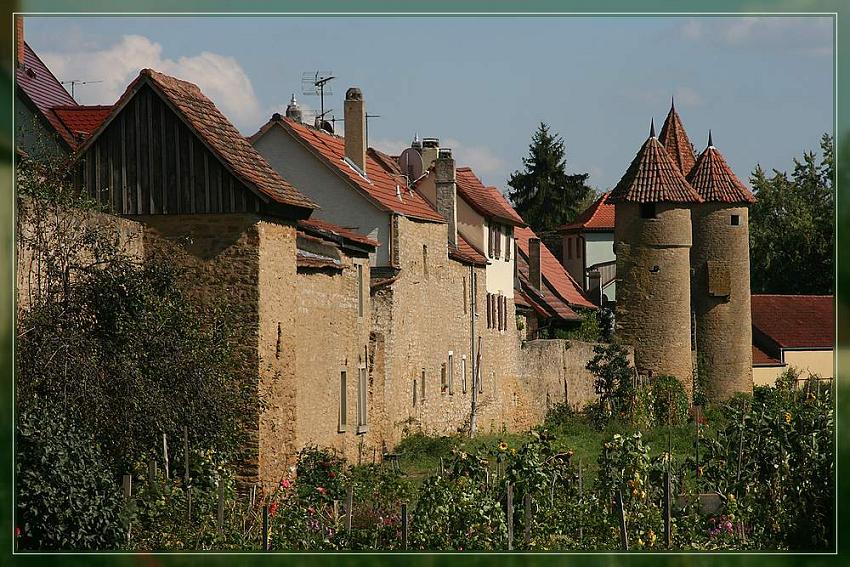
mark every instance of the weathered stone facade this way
{"type": "Point", "coordinates": [653, 298]}
{"type": "Point", "coordinates": [721, 251]}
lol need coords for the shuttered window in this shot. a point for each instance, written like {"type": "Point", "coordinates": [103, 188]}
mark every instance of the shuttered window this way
{"type": "Point", "coordinates": [362, 399]}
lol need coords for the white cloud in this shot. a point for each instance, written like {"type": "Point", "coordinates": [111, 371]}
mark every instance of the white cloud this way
{"type": "Point", "coordinates": [687, 96]}
{"type": "Point", "coordinates": [220, 77]}
{"type": "Point", "coordinates": [481, 159]}
{"type": "Point", "coordinates": [812, 35]}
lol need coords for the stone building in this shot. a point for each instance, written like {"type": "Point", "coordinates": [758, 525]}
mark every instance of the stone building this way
{"type": "Point", "coordinates": [167, 159]}
{"type": "Point", "coordinates": [720, 277]}
{"type": "Point", "coordinates": [652, 239]}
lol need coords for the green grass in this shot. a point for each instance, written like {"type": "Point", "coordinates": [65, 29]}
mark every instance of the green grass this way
{"type": "Point", "coordinates": [420, 455]}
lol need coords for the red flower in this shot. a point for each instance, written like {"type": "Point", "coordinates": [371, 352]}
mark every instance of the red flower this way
{"type": "Point", "coordinates": [17, 531]}
{"type": "Point", "coordinates": [331, 474]}
{"type": "Point", "coordinates": [273, 509]}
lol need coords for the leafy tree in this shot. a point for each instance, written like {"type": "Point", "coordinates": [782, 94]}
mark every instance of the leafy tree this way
{"type": "Point", "coordinates": [613, 381]}
{"type": "Point", "coordinates": [792, 226]}
{"type": "Point", "coordinates": [544, 194]}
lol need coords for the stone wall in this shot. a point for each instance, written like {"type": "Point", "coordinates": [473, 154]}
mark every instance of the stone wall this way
{"type": "Point", "coordinates": [553, 371]}
{"type": "Point", "coordinates": [41, 232]}
{"type": "Point", "coordinates": [331, 338]}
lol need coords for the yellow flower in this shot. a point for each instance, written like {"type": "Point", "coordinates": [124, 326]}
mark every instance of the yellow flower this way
{"type": "Point", "coordinates": [651, 537]}
{"type": "Point", "coordinates": [503, 446]}
{"type": "Point", "coordinates": [699, 471]}
{"type": "Point", "coordinates": [513, 451]}
{"type": "Point", "coordinates": [731, 498]}
{"type": "Point", "coordinates": [787, 417]}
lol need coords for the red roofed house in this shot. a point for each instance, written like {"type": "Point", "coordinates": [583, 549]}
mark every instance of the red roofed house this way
{"type": "Point", "coordinates": [588, 251]}
{"type": "Point", "coordinates": [425, 272]}
{"type": "Point", "coordinates": [166, 158]}
{"type": "Point", "coordinates": [48, 121]}
{"type": "Point", "coordinates": [792, 331]}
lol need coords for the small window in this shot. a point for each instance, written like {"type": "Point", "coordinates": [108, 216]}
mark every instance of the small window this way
{"type": "Point", "coordinates": [451, 372]}
{"type": "Point", "coordinates": [362, 398]}
{"type": "Point", "coordinates": [509, 243]}
{"type": "Point", "coordinates": [359, 290]}
{"type": "Point", "coordinates": [425, 259]}
{"type": "Point", "coordinates": [647, 211]}
{"type": "Point", "coordinates": [443, 379]}
{"type": "Point", "coordinates": [422, 385]}
{"type": "Point", "coordinates": [488, 311]}
{"type": "Point", "coordinates": [736, 220]}
{"type": "Point", "coordinates": [343, 401]}
{"type": "Point", "coordinates": [463, 372]}
{"type": "Point", "coordinates": [465, 302]}
{"type": "Point", "coordinates": [498, 241]}
{"type": "Point", "coordinates": [415, 391]}
{"type": "Point", "coordinates": [491, 241]}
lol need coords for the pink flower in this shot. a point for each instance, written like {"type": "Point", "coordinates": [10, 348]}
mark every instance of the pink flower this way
{"type": "Point", "coordinates": [17, 531]}
{"type": "Point", "coordinates": [284, 483]}
{"type": "Point", "coordinates": [321, 489]}
{"type": "Point", "coordinates": [311, 510]}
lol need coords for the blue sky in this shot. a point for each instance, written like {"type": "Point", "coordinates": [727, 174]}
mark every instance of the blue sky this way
{"type": "Point", "coordinates": [763, 85]}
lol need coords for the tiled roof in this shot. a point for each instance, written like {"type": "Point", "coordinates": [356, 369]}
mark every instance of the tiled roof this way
{"type": "Point", "coordinates": [761, 358]}
{"type": "Point", "coordinates": [653, 177]}
{"type": "Point", "coordinates": [222, 137]}
{"type": "Point", "coordinates": [545, 301]}
{"type": "Point", "coordinates": [43, 89]}
{"type": "Point", "coordinates": [466, 252]}
{"type": "Point", "coordinates": [674, 138]}
{"type": "Point", "coordinates": [388, 162]}
{"type": "Point", "coordinates": [389, 192]}
{"type": "Point", "coordinates": [325, 228]}
{"type": "Point", "coordinates": [554, 273]}
{"type": "Point", "coordinates": [598, 217]}
{"type": "Point", "coordinates": [795, 321]}
{"type": "Point", "coordinates": [486, 200]}
{"type": "Point", "coordinates": [712, 178]}
{"type": "Point", "coordinates": [305, 259]}
{"type": "Point", "coordinates": [80, 120]}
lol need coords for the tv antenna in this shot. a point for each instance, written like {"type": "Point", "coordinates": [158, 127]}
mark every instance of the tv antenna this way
{"type": "Point", "coordinates": [75, 82]}
{"type": "Point", "coordinates": [317, 83]}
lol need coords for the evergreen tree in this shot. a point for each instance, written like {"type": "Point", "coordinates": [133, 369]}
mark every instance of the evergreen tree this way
{"type": "Point", "coordinates": [545, 195]}
{"type": "Point", "coordinates": [792, 226]}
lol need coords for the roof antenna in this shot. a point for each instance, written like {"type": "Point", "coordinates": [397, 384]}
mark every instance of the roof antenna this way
{"type": "Point", "coordinates": [75, 82]}
{"type": "Point", "coordinates": [652, 128]}
{"type": "Point", "coordinates": [317, 84]}
{"type": "Point", "coordinates": [710, 143]}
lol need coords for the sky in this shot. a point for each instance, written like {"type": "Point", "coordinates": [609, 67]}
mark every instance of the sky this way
{"type": "Point", "coordinates": [764, 86]}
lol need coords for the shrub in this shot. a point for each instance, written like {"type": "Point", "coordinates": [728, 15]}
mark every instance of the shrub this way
{"type": "Point", "coordinates": [588, 330]}
{"type": "Point", "coordinates": [669, 401]}
{"type": "Point", "coordinates": [66, 497]}
{"type": "Point", "coordinates": [613, 380]}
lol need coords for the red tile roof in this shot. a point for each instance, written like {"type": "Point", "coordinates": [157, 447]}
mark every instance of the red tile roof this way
{"type": "Point", "coordinates": [712, 178]}
{"type": "Point", "coordinates": [44, 91]}
{"type": "Point", "coordinates": [675, 140]}
{"type": "Point", "coordinates": [598, 217]}
{"type": "Point", "coordinates": [80, 120]}
{"type": "Point", "coordinates": [467, 253]}
{"type": "Point", "coordinates": [222, 137]}
{"type": "Point", "coordinates": [388, 162]}
{"type": "Point", "coordinates": [553, 272]}
{"type": "Point", "coordinates": [488, 201]}
{"type": "Point", "coordinates": [795, 321]}
{"type": "Point", "coordinates": [653, 177]}
{"type": "Point", "coordinates": [545, 301]}
{"type": "Point", "coordinates": [389, 192]}
{"type": "Point", "coordinates": [325, 228]}
{"type": "Point", "coordinates": [761, 358]}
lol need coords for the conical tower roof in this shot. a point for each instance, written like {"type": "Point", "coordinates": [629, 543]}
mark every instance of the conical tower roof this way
{"type": "Point", "coordinates": [652, 177]}
{"type": "Point", "coordinates": [713, 179]}
{"type": "Point", "coordinates": [675, 139]}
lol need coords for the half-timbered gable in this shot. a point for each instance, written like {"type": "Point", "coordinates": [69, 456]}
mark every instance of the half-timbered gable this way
{"type": "Point", "coordinates": [166, 149]}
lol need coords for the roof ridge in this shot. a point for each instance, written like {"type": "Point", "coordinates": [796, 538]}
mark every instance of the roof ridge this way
{"type": "Point", "coordinates": [651, 177]}
{"type": "Point", "coordinates": [715, 181]}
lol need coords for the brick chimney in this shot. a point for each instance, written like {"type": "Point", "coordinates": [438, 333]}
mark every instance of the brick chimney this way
{"type": "Point", "coordinates": [444, 173]}
{"type": "Point", "coordinates": [19, 41]}
{"type": "Point", "coordinates": [355, 127]}
{"type": "Point", "coordinates": [535, 276]}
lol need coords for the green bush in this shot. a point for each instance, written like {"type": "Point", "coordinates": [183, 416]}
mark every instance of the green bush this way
{"type": "Point", "coordinates": [613, 382]}
{"type": "Point", "coordinates": [669, 401]}
{"type": "Point", "coordinates": [588, 330]}
{"type": "Point", "coordinates": [66, 497]}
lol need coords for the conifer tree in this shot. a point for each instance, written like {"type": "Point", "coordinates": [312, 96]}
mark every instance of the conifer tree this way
{"type": "Point", "coordinates": [544, 194]}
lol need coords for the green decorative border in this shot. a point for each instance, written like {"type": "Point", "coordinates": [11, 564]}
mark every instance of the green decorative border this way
{"type": "Point", "coordinates": [840, 9]}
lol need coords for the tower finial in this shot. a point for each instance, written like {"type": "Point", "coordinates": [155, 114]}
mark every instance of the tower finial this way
{"type": "Point", "coordinates": [710, 143]}
{"type": "Point", "coordinates": [672, 102]}
{"type": "Point", "coordinates": [652, 128]}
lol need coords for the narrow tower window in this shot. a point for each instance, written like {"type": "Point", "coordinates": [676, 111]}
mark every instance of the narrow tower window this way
{"type": "Point", "coordinates": [647, 211]}
{"type": "Point", "coordinates": [736, 220]}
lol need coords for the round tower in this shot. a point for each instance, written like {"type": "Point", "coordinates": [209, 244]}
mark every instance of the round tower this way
{"type": "Point", "coordinates": [720, 286]}
{"type": "Point", "coordinates": [652, 240]}
{"type": "Point", "coordinates": [293, 110]}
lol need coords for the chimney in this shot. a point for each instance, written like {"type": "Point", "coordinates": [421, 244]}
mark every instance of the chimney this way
{"type": "Point", "coordinates": [429, 149]}
{"type": "Point", "coordinates": [355, 127]}
{"type": "Point", "coordinates": [444, 172]}
{"type": "Point", "coordinates": [535, 276]}
{"type": "Point", "coordinates": [19, 41]}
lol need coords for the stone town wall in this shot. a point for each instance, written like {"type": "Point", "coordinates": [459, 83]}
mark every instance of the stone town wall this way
{"type": "Point", "coordinates": [37, 221]}
{"type": "Point", "coordinates": [553, 371]}
{"type": "Point", "coordinates": [222, 255]}
{"type": "Point", "coordinates": [331, 338]}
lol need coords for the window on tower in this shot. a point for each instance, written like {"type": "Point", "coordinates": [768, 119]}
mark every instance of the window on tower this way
{"type": "Point", "coordinates": [736, 220]}
{"type": "Point", "coordinates": [647, 211]}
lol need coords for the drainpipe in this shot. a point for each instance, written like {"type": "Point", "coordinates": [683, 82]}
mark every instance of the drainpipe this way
{"type": "Point", "coordinates": [473, 287]}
